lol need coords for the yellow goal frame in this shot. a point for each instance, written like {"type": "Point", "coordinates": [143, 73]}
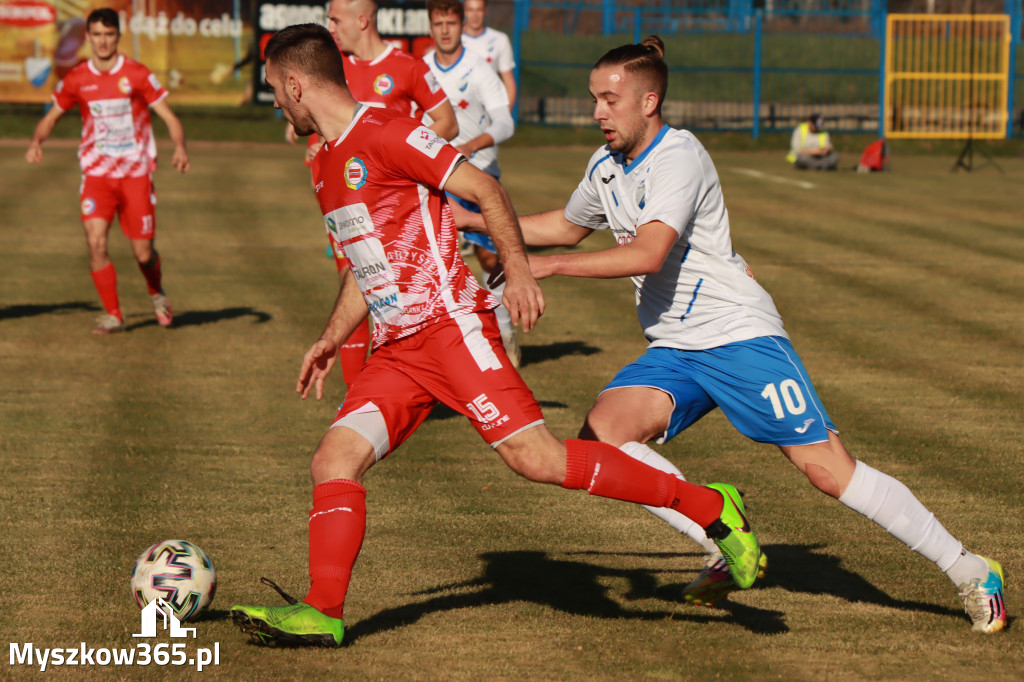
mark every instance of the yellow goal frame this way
{"type": "Point", "coordinates": [947, 76]}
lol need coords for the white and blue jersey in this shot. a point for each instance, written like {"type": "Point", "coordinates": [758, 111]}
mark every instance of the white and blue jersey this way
{"type": "Point", "coordinates": [714, 336]}
{"type": "Point", "coordinates": [480, 103]}
{"type": "Point", "coordinates": [704, 295]}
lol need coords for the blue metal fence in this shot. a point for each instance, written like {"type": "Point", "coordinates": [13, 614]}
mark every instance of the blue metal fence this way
{"type": "Point", "coordinates": [735, 65]}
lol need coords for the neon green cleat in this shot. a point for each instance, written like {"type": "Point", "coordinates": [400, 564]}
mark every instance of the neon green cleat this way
{"type": "Point", "coordinates": [731, 532]}
{"type": "Point", "coordinates": [983, 599]}
{"type": "Point", "coordinates": [715, 582]}
{"type": "Point", "coordinates": [293, 625]}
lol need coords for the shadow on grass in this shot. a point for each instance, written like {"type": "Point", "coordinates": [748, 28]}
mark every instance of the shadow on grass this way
{"type": "Point", "coordinates": [17, 311]}
{"type": "Point", "coordinates": [197, 318]}
{"type": "Point", "coordinates": [552, 351]}
{"type": "Point", "coordinates": [573, 587]}
{"type": "Point", "coordinates": [800, 568]}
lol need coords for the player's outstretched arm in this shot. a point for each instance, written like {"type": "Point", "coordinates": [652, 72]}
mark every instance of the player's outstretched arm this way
{"type": "Point", "coordinates": [642, 256]}
{"type": "Point", "coordinates": [42, 133]}
{"type": "Point", "coordinates": [349, 311]}
{"type": "Point", "coordinates": [551, 228]}
{"type": "Point", "coordinates": [523, 296]}
{"type": "Point", "coordinates": [177, 132]}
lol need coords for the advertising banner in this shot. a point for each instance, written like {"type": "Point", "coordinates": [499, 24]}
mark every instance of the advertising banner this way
{"type": "Point", "coordinates": [404, 24]}
{"type": "Point", "coordinates": [200, 49]}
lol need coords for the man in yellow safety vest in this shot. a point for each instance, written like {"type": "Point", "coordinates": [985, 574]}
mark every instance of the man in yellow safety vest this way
{"type": "Point", "coordinates": [810, 147]}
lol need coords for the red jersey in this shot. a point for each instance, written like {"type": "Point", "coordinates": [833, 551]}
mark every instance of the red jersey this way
{"type": "Point", "coordinates": [378, 188]}
{"type": "Point", "coordinates": [117, 135]}
{"type": "Point", "coordinates": [401, 82]}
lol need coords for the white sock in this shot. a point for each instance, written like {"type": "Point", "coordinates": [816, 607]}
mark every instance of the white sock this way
{"type": "Point", "coordinates": [891, 505]}
{"type": "Point", "coordinates": [504, 319]}
{"type": "Point", "coordinates": [681, 523]}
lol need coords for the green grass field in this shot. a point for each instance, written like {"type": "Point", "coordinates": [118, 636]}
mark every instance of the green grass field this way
{"type": "Point", "coordinates": [902, 292]}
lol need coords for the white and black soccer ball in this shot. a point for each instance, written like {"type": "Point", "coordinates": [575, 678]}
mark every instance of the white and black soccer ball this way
{"type": "Point", "coordinates": [180, 573]}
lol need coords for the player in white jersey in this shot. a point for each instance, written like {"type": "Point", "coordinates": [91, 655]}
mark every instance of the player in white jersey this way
{"type": "Point", "coordinates": [715, 338]}
{"type": "Point", "coordinates": [491, 45]}
{"type": "Point", "coordinates": [482, 112]}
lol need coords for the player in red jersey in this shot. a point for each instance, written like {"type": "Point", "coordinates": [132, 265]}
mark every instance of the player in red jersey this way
{"type": "Point", "coordinates": [117, 156]}
{"type": "Point", "coordinates": [380, 182]}
{"type": "Point", "coordinates": [378, 73]}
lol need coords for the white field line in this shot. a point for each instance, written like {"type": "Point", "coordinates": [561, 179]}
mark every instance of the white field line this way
{"type": "Point", "coordinates": [773, 178]}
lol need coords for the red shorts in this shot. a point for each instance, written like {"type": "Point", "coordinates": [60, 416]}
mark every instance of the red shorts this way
{"type": "Point", "coordinates": [131, 199]}
{"type": "Point", "coordinates": [460, 362]}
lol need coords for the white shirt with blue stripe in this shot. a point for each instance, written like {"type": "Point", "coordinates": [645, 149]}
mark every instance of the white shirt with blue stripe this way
{"type": "Point", "coordinates": [480, 102]}
{"type": "Point", "coordinates": [704, 296]}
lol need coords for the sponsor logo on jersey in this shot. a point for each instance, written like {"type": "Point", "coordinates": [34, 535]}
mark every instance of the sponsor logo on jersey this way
{"type": "Point", "coordinates": [88, 206]}
{"type": "Point", "coordinates": [348, 222]}
{"type": "Point", "coordinates": [154, 83]}
{"type": "Point", "coordinates": [608, 179]}
{"type": "Point", "coordinates": [641, 194]}
{"type": "Point", "coordinates": [124, 85]}
{"type": "Point", "coordinates": [432, 81]}
{"type": "Point", "coordinates": [383, 84]}
{"type": "Point", "coordinates": [355, 173]}
{"type": "Point", "coordinates": [427, 141]}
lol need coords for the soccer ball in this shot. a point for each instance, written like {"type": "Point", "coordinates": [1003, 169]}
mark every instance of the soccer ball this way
{"type": "Point", "coordinates": [179, 572]}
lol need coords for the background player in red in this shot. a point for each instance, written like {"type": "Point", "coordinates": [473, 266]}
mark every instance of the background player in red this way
{"type": "Point", "coordinates": [378, 73]}
{"type": "Point", "coordinates": [117, 156]}
{"type": "Point", "coordinates": [380, 182]}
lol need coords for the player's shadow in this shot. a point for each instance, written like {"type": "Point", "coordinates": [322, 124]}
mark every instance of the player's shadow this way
{"type": "Point", "coordinates": [197, 318]}
{"type": "Point", "coordinates": [442, 412]}
{"type": "Point", "coordinates": [552, 351]}
{"type": "Point", "coordinates": [22, 310]}
{"type": "Point", "coordinates": [801, 568]}
{"type": "Point", "coordinates": [571, 586]}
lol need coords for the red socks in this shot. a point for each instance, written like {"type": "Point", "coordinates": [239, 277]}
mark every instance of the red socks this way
{"type": "Point", "coordinates": [337, 524]}
{"type": "Point", "coordinates": [105, 280]}
{"type": "Point", "coordinates": [604, 470]}
{"type": "Point", "coordinates": [153, 277]}
{"type": "Point", "coordinates": [352, 353]}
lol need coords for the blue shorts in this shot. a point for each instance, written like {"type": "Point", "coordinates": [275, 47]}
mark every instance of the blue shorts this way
{"type": "Point", "coordinates": [477, 238]}
{"type": "Point", "coordinates": [760, 384]}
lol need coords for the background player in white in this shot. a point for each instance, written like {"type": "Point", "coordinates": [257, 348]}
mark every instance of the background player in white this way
{"type": "Point", "coordinates": [482, 111]}
{"type": "Point", "coordinates": [490, 44]}
{"type": "Point", "coordinates": [716, 339]}
{"type": "Point", "coordinates": [117, 155]}
{"type": "Point", "coordinates": [380, 180]}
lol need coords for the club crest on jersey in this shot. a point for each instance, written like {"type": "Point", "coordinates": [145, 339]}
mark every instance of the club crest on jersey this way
{"type": "Point", "coordinates": [355, 173]}
{"type": "Point", "coordinates": [383, 84]}
{"type": "Point", "coordinates": [88, 206]}
{"type": "Point", "coordinates": [124, 85]}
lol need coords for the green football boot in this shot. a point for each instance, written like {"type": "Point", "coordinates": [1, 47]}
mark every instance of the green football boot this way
{"type": "Point", "coordinates": [715, 582]}
{"type": "Point", "coordinates": [293, 625]}
{"type": "Point", "coordinates": [731, 532]}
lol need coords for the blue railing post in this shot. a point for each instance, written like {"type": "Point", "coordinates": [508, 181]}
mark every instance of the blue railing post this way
{"type": "Point", "coordinates": [638, 20]}
{"type": "Point", "coordinates": [756, 132]}
{"type": "Point", "coordinates": [880, 11]}
{"type": "Point", "coordinates": [520, 23]}
{"type": "Point", "coordinates": [607, 17]}
{"type": "Point", "coordinates": [1013, 8]}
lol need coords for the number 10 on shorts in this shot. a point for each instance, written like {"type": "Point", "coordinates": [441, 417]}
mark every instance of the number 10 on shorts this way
{"type": "Point", "coordinates": [787, 393]}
